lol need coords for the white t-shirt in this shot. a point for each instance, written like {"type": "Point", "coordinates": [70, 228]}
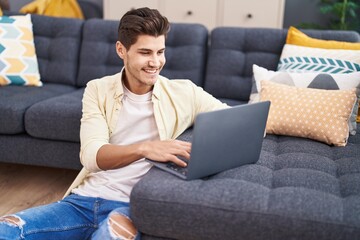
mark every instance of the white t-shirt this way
{"type": "Point", "coordinates": [136, 124]}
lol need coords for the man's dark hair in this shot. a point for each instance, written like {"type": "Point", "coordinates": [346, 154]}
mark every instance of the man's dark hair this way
{"type": "Point", "coordinates": [141, 21]}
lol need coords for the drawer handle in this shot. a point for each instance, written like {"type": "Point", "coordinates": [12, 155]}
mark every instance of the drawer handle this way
{"type": "Point", "coordinates": [189, 13]}
{"type": "Point", "coordinates": [249, 15]}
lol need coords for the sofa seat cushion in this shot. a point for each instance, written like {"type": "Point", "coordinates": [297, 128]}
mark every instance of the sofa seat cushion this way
{"type": "Point", "coordinates": [57, 118]}
{"type": "Point", "coordinates": [15, 100]}
{"type": "Point", "coordinates": [299, 189]}
{"type": "Point", "coordinates": [24, 149]}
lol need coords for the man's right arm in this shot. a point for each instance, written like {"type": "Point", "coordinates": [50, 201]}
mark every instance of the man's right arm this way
{"type": "Point", "coordinates": [98, 154]}
{"type": "Point", "coordinates": [112, 156]}
{"type": "Point", "coordinates": [94, 130]}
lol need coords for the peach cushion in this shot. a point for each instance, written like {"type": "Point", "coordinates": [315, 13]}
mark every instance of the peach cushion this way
{"type": "Point", "coordinates": [317, 114]}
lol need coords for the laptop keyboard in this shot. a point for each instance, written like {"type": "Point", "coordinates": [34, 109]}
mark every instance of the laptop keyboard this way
{"type": "Point", "coordinates": [187, 137]}
{"type": "Point", "coordinates": [181, 170]}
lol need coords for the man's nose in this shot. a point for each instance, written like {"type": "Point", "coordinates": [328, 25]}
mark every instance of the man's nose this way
{"type": "Point", "coordinates": [154, 61]}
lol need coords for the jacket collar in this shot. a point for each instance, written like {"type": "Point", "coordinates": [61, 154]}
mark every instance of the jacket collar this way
{"type": "Point", "coordinates": [156, 89]}
{"type": "Point", "coordinates": [118, 87]}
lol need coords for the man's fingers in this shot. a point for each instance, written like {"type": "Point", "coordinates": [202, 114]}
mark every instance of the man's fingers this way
{"type": "Point", "coordinates": [177, 161]}
{"type": "Point", "coordinates": [169, 150]}
{"type": "Point", "coordinates": [184, 145]}
{"type": "Point", "coordinates": [184, 149]}
{"type": "Point", "coordinates": [184, 154]}
{"type": "Point", "coordinates": [179, 152]}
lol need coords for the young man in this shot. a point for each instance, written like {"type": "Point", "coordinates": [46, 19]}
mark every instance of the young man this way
{"type": "Point", "coordinates": [127, 117]}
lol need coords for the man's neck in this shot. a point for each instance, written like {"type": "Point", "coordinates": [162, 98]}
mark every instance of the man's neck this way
{"type": "Point", "coordinates": [139, 90]}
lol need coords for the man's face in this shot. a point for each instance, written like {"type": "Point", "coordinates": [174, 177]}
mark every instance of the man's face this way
{"type": "Point", "coordinates": [143, 62]}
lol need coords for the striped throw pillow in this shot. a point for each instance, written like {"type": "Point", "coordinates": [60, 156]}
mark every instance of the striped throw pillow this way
{"type": "Point", "coordinates": [308, 59]}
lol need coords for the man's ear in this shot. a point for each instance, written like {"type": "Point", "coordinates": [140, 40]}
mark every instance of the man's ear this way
{"type": "Point", "coordinates": [120, 49]}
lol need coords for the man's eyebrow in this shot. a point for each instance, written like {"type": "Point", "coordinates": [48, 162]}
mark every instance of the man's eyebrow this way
{"type": "Point", "coordinates": [144, 49]}
{"type": "Point", "coordinates": [149, 50]}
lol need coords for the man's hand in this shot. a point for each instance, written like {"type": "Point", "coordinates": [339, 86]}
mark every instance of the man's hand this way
{"type": "Point", "coordinates": [164, 151]}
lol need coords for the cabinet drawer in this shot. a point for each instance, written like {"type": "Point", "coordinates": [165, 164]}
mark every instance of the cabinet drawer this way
{"type": "Point", "coordinates": [115, 9]}
{"type": "Point", "coordinates": [259, 13]}
{"type": "Point", "coordinates": [190, 11]}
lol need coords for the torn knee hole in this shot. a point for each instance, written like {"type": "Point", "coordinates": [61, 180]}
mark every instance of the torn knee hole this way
{"type": "Point", "coordinates": [12, 220]}
{"type": "Point", "coordinates": [122, 227]}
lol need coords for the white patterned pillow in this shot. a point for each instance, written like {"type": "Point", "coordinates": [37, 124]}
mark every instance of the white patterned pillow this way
{"type": "Point", "coordinates": [310, 80]}
{"type": "Point", "coordinates": [308, 59]}
{"type": "Point", "coordinates": [18, 61]}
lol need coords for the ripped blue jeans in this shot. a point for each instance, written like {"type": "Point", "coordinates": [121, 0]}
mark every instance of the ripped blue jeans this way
{"type": "Point", "coordinates": [74, 217]}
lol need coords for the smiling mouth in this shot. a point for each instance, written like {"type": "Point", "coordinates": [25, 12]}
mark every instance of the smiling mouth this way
{"type": "Point", "coordinates": [151, 71]}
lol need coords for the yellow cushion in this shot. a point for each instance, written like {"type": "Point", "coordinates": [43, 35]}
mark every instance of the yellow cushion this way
{"type": "Point", "coordinates": [296, 37]}
{"type": "Point", "coordinates": [54, 8]}
{"type": "Point", "coordinates": [18, 61]}
{"type": "Point", "coordinates": [317, 114]}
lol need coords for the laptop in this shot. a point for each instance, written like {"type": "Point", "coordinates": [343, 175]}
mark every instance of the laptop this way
{"type": "Point", "coordinates": [221, 140]}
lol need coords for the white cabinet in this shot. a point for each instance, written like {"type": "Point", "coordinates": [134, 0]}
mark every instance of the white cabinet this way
{"type": "Point", "coordinates": [211, 13]}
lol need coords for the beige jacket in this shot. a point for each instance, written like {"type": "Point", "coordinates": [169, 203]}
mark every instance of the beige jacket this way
{"type": "Point", "coordinates": [176, 104]}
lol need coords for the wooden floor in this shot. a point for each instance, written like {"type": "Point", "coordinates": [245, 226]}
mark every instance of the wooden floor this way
{"type": "Point", "coordinates": [24, 186]}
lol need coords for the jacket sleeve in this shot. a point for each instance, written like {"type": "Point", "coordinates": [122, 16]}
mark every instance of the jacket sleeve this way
{"type": "Point", "coordinates": [205, 102]}
{"type": "Point", "coordinates": [94, 130]}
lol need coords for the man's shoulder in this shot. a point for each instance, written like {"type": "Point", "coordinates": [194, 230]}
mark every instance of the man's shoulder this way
{"type": "Point", "coordinates": [178, 89]}
{"type": "Point", "coordinates": [106, 80]}
{"type": "Point", "coordinates": [105, 84]}
{"type": "Point", "coordinates": [175, 83]}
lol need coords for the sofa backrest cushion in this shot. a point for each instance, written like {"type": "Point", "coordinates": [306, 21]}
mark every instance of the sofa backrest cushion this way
{"type": "Point", "coordinates": [98, 54]}
{"type": "Point", "coordinates": [57, 43]}
{"type": "Point", "coordinates": [233, 52]}
{"type": "Point", "coordinates": [185, 53]}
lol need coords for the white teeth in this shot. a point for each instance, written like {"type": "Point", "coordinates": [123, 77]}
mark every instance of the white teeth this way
{"type": "Point", "coordinates": [150, 71]}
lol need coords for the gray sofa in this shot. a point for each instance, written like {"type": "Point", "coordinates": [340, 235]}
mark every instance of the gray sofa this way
{"type": "Point", "coordinates": [299, 188]}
